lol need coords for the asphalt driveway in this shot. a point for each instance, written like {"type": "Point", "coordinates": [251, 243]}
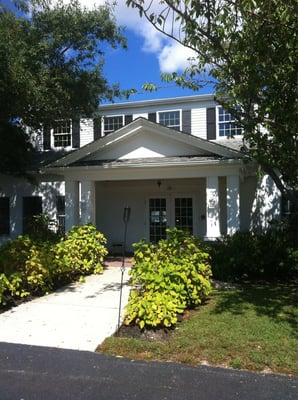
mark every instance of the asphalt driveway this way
{"type": "Point", "coordinates": [42, 373]}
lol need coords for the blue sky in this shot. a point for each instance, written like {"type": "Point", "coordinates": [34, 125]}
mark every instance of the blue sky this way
{"type": "Point", "coordinates": [134, 67]}
{"type": "Point", "coordinates": [149, 53]}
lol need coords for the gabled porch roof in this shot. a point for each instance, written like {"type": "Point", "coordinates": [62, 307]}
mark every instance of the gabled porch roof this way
{"type": "Point", "coordinates": [143, 143]}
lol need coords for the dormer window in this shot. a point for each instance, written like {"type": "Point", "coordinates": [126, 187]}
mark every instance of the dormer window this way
{"type": "Point", "coordinates": [227, 125]}
{"type": "Point", "coordinates": [111, 124]}
{"type": "Point", "coordinates": [62, 133]}
{"type": "Point", "coordinates": [171, 119]}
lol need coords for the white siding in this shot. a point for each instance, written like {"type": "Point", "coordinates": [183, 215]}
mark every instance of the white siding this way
{"type": "Point", "coordinates": [139, 115]}
{"type": "Point", "coordinates": [16, 189]}
{"type": "Point", "coordinates": [199, 123]}
{"type": "Point", "coordinates": [135, 194]}
{"type": "Point", "coordinates": [199, 119]}
{"type": "Point", "coordinates": [86, 132]}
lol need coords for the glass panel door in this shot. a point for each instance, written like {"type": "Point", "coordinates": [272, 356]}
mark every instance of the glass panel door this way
{"type": "Point", "coordinates": [184, 214]}
{"type": "Point", "coordinates": [157, 219]}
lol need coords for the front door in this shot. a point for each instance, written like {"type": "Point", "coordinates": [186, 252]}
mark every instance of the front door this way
{"type": "Point", "coordinates": [166, 212]}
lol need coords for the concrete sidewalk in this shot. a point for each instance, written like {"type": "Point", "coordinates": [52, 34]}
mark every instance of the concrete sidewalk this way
{"type": "Point", "coordinates": [78, 316]}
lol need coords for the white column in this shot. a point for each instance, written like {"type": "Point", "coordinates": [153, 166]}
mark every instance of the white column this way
{"type": "Point", "coordinates": [233, 204]}
{"type": "Point", "coordinates": [87, 202]}
{"type": "Point", "coordinates": [212, 208]}
{"type": "Point", "coordinates": [71, 204]}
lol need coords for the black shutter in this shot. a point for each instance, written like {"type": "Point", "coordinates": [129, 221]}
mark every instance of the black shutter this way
{"type": "Point", "coordinates": [97, 128]}
{"type": "Point", "coordinates": [76, 133]}
{"type": "Point", "coordinates": [186, 121]}
{"type": "Point", "coordinates": [4, 216]}
{"type": "Point", "coordinates": [46, 137]}
{"type": "Point", "coordinates": [152, 117]}
{"type": "Point", "coordinates": [128, 119]}
{"type": "Point", "coordinates": [211, 124]}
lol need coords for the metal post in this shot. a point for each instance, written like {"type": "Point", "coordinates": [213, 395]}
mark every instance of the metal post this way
{"type": "Point", "coordinates": [126, 216]}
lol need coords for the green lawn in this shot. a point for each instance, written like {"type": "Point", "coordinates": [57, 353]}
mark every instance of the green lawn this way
{"type": "Point", "coordinates": [253, 327]}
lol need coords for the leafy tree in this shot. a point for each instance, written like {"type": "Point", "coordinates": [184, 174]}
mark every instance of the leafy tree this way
{"type": "Point", "coordinates": [249, 48]}
{"type": "Point", "coordinates": [51, 62]}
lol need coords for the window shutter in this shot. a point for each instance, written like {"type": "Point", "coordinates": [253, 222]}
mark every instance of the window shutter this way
{"type": "Point", "coordinates": [128, 119]}
{"type": "Point", "coordinates": [152, 117]}
{"type": "Point", "coordinates": [96, 128]}
{"type": "Point", "coordinates": [186, 121]}
{"type": "Point", "coordinates": [4, 216]}
{"type": "Point", "coordinates": [46, 137]}
{"type": "Point", "coordinates": [76, 133]}
{"type": "Point", "coordinates": [211, 124]}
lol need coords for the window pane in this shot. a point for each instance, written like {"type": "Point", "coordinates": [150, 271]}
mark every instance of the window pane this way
{"type": "Point", "coordinates": [227, 125]}
{"type": "Point", "coordinates": [183, 214]}
{"type": "Point", "coordinates": [112, 123]}
{"type": "Point", "coordinates": [4, 216]}
{"type": "Point", "coordinates": [62, 133]}
{"type": "Point", "coordinates": [158, 219]}
{"type": "Point", "coordinates": [170, 119]}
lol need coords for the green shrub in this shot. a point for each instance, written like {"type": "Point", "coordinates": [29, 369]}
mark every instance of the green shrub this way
{"type": "Point", "coordinates": [4, 288]}
{"type": "Point", "coordinates": [81, 252]}
{"type": "Point", "coordinates": [253, 256]}
{"type": "Point", "coordinates": [169, 277]}
{"type": "Point", "coordinates": [43, 229]}
{"type": "Point", "coordinates": [34, 267]}
{"type": "Point", "coordinates": [25, 263]}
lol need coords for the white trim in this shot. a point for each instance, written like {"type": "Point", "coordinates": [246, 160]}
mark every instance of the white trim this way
{"type": "Point", "coordinates": [170, 209]}
{"type": "Point", "coordinates": [156, 102]}
{"type": "Point", "coordinates": [105, 133]}
{"type": "Point", "coordinates": [170, 111]}
{"type": "Point", "coordinates": [138, 126]}
{"type": "Point", "coordinates": [225, 137]}
{"type": "Point", "coordinates": [52, 137]}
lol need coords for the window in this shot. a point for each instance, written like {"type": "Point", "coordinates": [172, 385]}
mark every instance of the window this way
{"type": "Point", "coordinates": [62, 133]}
{"type": "Point", "coordinates": [289, 209]}
{"type": "Point", "coordinates": [171, 119]}
{"type": "Point", "coordinates": [4, 216]}
{"type": "Point", "coordinates": [32, 206]}
{"type": "Point", "coordinates": [111, 124]}
{"type": "Point", "coordinates": [227, 126]}
{"type": "Point", "coordinates": [183, 214]}
{"type": "Point", "coordinates": [60, 206]}
{"type": "Point", "coordinates": [158, 219]}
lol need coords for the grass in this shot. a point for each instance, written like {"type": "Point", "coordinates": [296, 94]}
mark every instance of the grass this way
{"type": "Point", "coordinates": [253, 327]}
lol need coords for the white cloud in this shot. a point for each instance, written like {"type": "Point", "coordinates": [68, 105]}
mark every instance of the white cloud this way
{"type": "Point", "coordinates": [174, 57]}
{"type": "Point", "coordinates": [171, 56]}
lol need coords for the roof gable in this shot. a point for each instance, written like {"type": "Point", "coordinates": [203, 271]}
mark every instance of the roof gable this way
{"type": "Point", "coordinates": [145, 139]}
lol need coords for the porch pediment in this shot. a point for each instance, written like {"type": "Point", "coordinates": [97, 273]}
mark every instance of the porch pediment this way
{"type": "Point", "coordinates": [143, 139]}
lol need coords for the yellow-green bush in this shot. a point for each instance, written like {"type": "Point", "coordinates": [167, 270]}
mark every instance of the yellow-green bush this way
{"type": "Point", "coordinates": [168, 277]}
{"type": "Point", "coordinates": [35, 267]}
{"type": "Point", "coordinates": [81, 252]}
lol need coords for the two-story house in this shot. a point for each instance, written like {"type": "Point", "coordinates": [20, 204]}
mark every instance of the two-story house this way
{"type": "Point", "coordinates": [171, 161]}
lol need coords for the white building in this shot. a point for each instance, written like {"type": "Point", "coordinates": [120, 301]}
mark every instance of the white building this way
{"type": "Point", "coordinates": [170, 161]}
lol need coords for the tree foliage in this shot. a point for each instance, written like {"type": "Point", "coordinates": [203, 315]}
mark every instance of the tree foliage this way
{"type": "Point", "coordinates": [51, 61]}
{"type": "Point", "coordinates": [249, 47]}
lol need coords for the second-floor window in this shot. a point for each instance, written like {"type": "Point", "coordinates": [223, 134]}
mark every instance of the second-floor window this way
{"type": "Point", "coordinates": [227, 126]}
{"type": "Point", "coordinates": [111, 124]}
{"type": "Point", "coordinates": [171, 119]}
{"type": "Point", "coordinates": [62, 133]}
